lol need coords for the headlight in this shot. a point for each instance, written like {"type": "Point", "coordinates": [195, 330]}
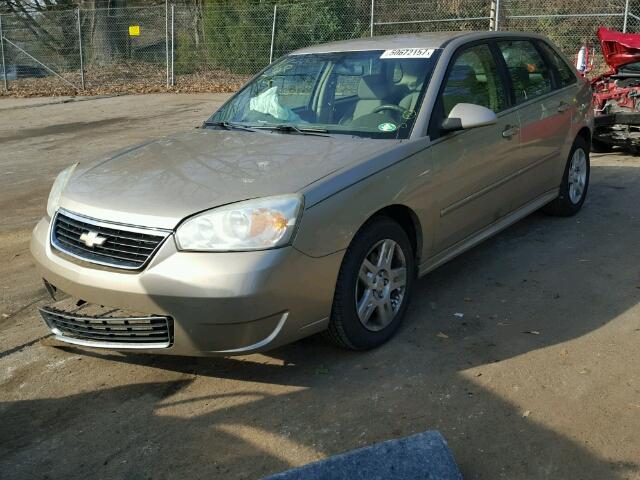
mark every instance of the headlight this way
{"type": "Point", "coordinates": [251, 225]}
{"type": "Point", "coordinates": [57, 189]}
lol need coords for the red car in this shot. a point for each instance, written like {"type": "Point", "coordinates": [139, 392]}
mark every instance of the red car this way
{"type": "Point", "coordinates": [616, 93]}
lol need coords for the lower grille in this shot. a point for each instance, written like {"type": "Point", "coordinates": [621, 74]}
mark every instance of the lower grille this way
{"type": "Point", "coordinates": [86, 324]}
{"type": "Point", "coordinates": [114, 245]}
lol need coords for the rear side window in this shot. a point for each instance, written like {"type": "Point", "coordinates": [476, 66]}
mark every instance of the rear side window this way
{"type": "Point", "coordinates": [474, 78]}
{"type": "Point", "coordinates": [530, 75]}
{"type": "Point", "coordinates": [349, 72]}
{"type": "Point", "coordinates": [347, 86]}
{"type": "Point", "coordinates": [295, 81]}
{"type": "Point", "coordinates": [566, 74]}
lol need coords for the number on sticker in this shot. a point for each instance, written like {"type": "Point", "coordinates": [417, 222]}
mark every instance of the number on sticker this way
{"type": "Point", "coordinates": [408, 53]}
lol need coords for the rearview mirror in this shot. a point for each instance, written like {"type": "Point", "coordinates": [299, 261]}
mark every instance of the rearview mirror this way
{"type": "Point", "coordinates": [468, 115]}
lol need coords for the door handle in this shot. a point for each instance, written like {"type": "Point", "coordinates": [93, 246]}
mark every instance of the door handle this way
{"type": "Point", "coordinates": [510, 131]}
{"type": "Point", "coordinates": [563, 107]}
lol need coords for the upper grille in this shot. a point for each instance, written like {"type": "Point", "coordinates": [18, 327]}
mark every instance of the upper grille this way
{"type": "Point", "coordinates": [124, 246]}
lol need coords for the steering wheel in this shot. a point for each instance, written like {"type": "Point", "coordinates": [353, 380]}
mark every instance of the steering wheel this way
{"type": "Point", "coordinates": [389, 106]}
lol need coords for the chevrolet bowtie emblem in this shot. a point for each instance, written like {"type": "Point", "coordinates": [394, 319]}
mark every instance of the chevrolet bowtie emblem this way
{"type": "Point", "coordinates": [91, 239]}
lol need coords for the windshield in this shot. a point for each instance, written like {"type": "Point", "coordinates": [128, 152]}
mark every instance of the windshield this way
{"type": "Point", "coordinates": [373, 94]}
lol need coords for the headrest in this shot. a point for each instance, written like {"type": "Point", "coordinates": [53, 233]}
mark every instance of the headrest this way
{"type": "Point", "coordinates": [373, 87]}
{"type": "Point", "coordinates": [520, 73]}
{"type": "Point", "coordinates": [412, 74]}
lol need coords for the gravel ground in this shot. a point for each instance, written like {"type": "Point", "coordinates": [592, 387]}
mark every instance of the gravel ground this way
{"type": "Point", "coordinates": [562, 401]}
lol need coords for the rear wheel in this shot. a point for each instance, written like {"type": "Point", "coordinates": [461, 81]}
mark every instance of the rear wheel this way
{"type": "Point", "coordinates": [575, 182]}
{"type": "Point", "coordinates": [373, 288]}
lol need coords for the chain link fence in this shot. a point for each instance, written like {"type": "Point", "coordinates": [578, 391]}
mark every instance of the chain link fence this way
{"type": "Point", "coordinates": [569, 23]}
{"type": "Point", "coordinates": [216, 45]}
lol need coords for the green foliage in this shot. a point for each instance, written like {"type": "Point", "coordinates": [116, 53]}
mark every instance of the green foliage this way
{"type": "Point", "coordinates": [236, 36]}
{"type": "Point", "coordinates": [305, 24]}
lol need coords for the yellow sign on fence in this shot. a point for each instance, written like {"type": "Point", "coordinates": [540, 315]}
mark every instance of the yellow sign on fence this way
{"type": "Point", "coordinates": [134, 30]}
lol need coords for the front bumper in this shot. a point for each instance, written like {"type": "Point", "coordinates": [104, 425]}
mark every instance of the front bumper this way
{"type": "Point", "coordinates": [219, 303]}
{"type": "Point", "coordinates": [619, 118]}
{"type": "Point", "coordinates": [621, 128]}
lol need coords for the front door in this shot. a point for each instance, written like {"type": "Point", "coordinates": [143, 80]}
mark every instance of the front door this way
{"type": "Point", "coordinates": [471, 168]}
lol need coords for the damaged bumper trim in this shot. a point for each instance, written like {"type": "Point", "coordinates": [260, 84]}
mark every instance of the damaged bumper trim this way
{"type": "Point", "coordinates": [101, 327]}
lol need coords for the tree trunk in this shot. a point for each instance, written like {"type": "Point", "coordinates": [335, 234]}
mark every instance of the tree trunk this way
{"type": "Point", "coordinates": [109, 37]}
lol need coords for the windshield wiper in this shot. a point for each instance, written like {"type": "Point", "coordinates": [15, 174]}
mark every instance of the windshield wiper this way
{"type": "Point", "coordinates": [228, 125]}
{"type": "Point", "coordinates": [286, 128]}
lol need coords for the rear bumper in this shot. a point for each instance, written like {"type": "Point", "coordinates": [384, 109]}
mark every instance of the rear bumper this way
{"type": "Point", "coordinates": [220, 303]}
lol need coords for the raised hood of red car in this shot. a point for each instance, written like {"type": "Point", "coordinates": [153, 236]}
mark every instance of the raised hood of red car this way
{"type": "Point", "coordinates": [619, 48]}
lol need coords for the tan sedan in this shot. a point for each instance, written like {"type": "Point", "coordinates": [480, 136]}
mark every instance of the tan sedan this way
{"type": "Point", "coordinates": [313, 199]}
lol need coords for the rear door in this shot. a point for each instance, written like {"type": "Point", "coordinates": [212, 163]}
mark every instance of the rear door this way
{"type": "Point", "coordinates": [544, 116]}
{"type": "Point", "coordinates": [472, 168]}
{"type": "Point", "coordinates": [564, 101]}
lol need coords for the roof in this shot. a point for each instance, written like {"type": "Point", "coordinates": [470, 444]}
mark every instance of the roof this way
{"type": "Point", "coordinates": [411, 40]}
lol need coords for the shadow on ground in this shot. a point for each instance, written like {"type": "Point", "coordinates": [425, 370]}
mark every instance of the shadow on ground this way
{"type": "Point", "coordinates": [562, 278]}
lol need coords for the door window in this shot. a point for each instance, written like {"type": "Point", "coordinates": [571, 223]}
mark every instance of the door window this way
{"type": "Point", "coordinates": [529, 73]}
{"type": "Point", "coordinates": [566, 74]}
{"type": "Point", "coordinates": [473, 78]}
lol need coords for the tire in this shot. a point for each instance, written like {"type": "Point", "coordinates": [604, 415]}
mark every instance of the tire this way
{"type": "Point", "coordinates": [575, 179]}
{"type": "Point", "coordinates": [381, 316]}
{"type": "Point", "coordinates": [598, 146]}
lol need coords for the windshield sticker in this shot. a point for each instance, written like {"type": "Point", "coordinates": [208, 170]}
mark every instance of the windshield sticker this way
{"type": "Point", "coordinates": [408, 114]}
{"type": "Point", "coordinates": [387, 127]}
{"type": "Point", "coordinates": [408, 53]}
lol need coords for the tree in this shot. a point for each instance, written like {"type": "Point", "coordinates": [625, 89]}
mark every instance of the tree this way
{"type": "Point", "coordinates": [107, 30]}
{"type": "Point", "coordinates": [50, 24]}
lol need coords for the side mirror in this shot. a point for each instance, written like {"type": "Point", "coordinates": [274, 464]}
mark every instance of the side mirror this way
{"type": "Point", "coordinates": [468, 115]}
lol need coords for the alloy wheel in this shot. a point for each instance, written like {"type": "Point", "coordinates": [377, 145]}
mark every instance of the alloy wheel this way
{"type": "Point", "coordinates": [577, 175]}
{"type": "Point", "coordinates": [380, 286]}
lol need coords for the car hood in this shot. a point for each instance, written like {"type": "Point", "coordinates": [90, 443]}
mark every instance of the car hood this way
{"type": "Point", "coordinates": [159, 183]}
{"type": "Point", "coordinates": [619, 48]}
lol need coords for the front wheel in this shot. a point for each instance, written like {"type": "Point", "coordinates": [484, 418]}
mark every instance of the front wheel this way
{"type": "Point", "coordinates": [575, 182]}
{"type": "Point", "coordinates": [373, 288]}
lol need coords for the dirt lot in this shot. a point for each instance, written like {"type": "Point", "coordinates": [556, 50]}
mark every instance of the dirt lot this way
{"type": "Point", "coordinates": [560, 403]}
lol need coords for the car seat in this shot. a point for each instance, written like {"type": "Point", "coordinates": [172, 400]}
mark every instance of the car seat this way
{"type": "Point", "coordinates": [521, 82]}
{"type": "Point", "coordinates": [411, 83]}
{"type": "Point", "coordinates": [373, 91]}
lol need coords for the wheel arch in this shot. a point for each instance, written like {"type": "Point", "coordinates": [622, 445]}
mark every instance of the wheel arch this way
{"type": "Point", "coordinates": [407, 219]}
{"type": "Point", "coordinates": [585, 134]}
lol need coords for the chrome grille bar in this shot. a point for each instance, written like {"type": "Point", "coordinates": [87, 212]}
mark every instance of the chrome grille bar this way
{"type": "Point", "coordinates": [124, 246]}
{"type": "Point", "coordinates": [107, 328]}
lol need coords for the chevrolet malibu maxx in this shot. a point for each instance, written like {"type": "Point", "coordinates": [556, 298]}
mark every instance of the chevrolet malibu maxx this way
{"type": "Point", "coordinates": [313, 199]}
